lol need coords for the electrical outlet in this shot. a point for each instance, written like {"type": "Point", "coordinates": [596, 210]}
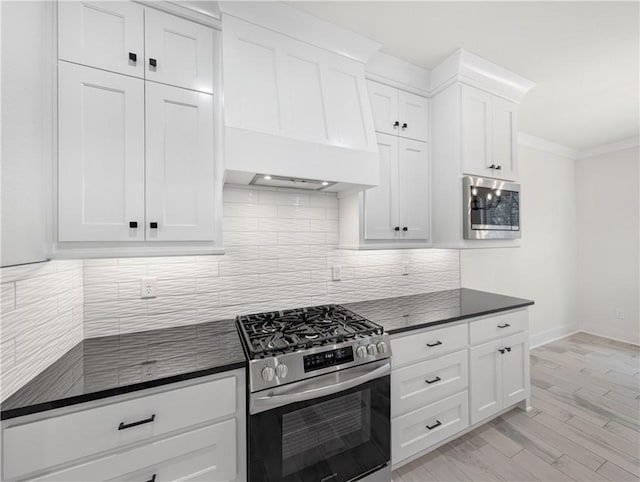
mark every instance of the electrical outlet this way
{"type": "Point", "coordinates": [148, 287]}
{"type": "Point", "coordinates": [336, 272]}
{"type": "Point", "coordinates": [405, 269]}
{"type": "Point", "coordinates": [148, 370]}
{"type": "Point", "coordinates": [619, 314]}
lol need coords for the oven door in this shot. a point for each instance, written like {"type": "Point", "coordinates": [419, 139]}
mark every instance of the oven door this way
{"type": "Point", "coordinates": [331, 428]}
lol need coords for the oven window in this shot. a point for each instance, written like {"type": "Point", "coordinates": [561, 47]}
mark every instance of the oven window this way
{"type": "Point", "coordinates": [315, 433]}
{"type": "Point", "coordinates": [493, 209]}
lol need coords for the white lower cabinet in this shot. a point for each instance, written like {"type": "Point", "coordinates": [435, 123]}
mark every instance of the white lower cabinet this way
{"type": "Point", "coordinates": [447, 380]}
{"type": "Point", "coordinates": [194, 432]}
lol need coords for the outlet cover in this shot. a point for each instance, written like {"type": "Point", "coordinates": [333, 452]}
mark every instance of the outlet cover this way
{"type": "Point", "coordinates": [405, 269]}
{"type": "Point", "coordinates": [148, 287]}
{"type": "Point", "coordinates": [148, 370]}
{"type": "Point", "coordinates": [336, 272]}
{"type": "Point", "coordinates": [619, 314]}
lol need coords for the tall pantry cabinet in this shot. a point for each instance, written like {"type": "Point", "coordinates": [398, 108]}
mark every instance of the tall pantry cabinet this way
{"type": "Point", "coordinates": [136, 126]}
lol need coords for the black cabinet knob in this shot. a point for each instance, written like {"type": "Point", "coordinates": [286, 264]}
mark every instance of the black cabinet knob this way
{"type": "Point", "coordinates": [501, 350]}
{"type": "Point", "coordinates": [508, 349]}
{"type": "Point", "coordinates": [498, 167]}
{"type": "Point", "coordinates": [492, 166]}
{"type": "Point", "coordinates": [133, 57]}
{"type": "Point", "coordinates": [396, 124]}
{"type": "Point", "coordinates": [133, 224]}
{"type": "Point", "coordinates": [397, 228]}
{"type": "Point", "coordinates": [405, 229]}
{"type": "Point", "coordinates": [153, 62]}
{"type": "Point", "coordinates": [153, 225]}
{"type": "Point", "coordinates": [404, 126]}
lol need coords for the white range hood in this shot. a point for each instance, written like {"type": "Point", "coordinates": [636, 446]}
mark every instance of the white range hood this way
{"type": "Point", "coordinates": [296, 105]}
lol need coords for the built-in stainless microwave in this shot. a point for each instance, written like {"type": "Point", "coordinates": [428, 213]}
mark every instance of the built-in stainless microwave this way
{"type": "Point", "coordinates": [491, 208]}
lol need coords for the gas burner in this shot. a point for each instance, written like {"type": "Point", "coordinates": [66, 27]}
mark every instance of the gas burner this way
{"type": "Point", "coordinates": [277, 332]}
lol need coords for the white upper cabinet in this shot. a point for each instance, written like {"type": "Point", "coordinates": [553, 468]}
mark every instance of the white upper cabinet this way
{"type": "Point", "coordinates": [398, 209]}
{"type": "Point", "coordinates": [398, 112]}
{"type": "Point", "coordinates": [179, 171]}
{"type": "Point", "coordinates": [488, 135]}
{"type": "Point", "coordinates": [178, 52]}
{"type": "Point", "coordinates": [127, 38]}
{"type": "Point", "coordinates": [107, 35]}
{"type": "Point", "coordinates": [101, 155]}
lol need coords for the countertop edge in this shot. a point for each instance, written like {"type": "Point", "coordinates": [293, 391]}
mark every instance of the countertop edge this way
{"type": "Point", "coordinates": [112, 392]}
{"type": "Point", "coordinates": [428, 324]}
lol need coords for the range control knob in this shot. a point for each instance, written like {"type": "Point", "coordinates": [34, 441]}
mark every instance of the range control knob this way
{"type": "Point", "coordinates": [361, 351]}
{"type": "Point", "coordinates": [282, 370]}
{"type": "Point", "coordinates": [371, 349]}
{"type": "Point", "coordinates": [382, 347]}
{"type": "Point", "coordinates": [268, 373]}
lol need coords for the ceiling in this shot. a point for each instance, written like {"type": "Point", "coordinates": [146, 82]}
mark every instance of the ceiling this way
{"type": "Point", "coordinates": [583, 56]}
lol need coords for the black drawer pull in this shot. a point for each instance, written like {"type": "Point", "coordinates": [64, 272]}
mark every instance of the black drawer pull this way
{"type": "Point", "coordinates": [133, 224]}
{"type": "Point", "coordinates": [396, 124]}
{"type": "Point", "coordinates": [434, 344]}
{"type": "Point", "coordinates": [405, 229]}
{"type": "Point", "coordinates": [152, 479]}
{"type": "Point", "coordinates": [153, 225]}
{"type": "Point", "coordinates": [153, 62]}
{"type": "Point", "coordinates": [404, 126]}
{"type": "Point", "coordinates": [505, 325]}
{"type": "Point", "coordinates": [508, 349]}
{"type": "Point", "coordinates": [123, 425]}
{"type": "Point", "coordinates": [133, 57]}
{"type": "Point", "coordinates": [502, 350]}
{"type": "Point", "coordinates": [436, 379]}
{"type": "Point", "coordinates": [437, 424]}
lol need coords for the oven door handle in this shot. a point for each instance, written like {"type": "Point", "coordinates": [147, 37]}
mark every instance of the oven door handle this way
{"type": "Point", "coordinates": [315, 388]}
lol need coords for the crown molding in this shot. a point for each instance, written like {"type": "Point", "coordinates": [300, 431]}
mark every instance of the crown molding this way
{"type": "Point", "coordinates": [398, 73]}
{"type": "Point", "coordinates": [607, 148]}
{"type": "Point", "coordinates": [545, 145]}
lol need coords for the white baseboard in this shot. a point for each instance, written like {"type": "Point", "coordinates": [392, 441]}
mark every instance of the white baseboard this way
{"type": "Point", "coordinates": [608, 337]}
{"type": "Point", "coordinates": [548, 336]}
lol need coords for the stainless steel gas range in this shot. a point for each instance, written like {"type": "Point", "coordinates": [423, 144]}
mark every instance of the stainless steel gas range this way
{"type": "Point", "coordinates": [319, 396]}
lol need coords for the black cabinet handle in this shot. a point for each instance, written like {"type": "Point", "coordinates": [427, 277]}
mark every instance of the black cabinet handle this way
{"type": "Point", "coordinates": [123, 425]}
{"type": "Point", "coordinates": [133, 57]}
{"type": "Point", "coordinates": [437, 424]}
{"type": "Point", "coordinates": [152, 479]}
{"type": "Point", "coordinates": [405, 229]}
{"type": "Point", "coordinates": [404, 126]}
{"type": "Point", "coordinates": [397, 228]}
{"type": "Point", "coordinates": [396, 124]}
{"type": "Point", "coordinates": [434, 344]}
{"type": "Point", "coordinates": [436, 379]}
{"type": "Point", "coordinates": [133, 224]}
{"type": "Point", "coordinates": [508, 349]}
{"type": "Point", "coordinates": [504, 325]}
{"type": "Point", "coordinates": [501, 350]}
{"type": "Point", "coordinates": [498, 167]}
{"type": "Point", "coordinates": [153, 62]}
{"type": "Point", "coordinates": [492, 166]}
{"type": "Point", "coordinates": [153, 225]}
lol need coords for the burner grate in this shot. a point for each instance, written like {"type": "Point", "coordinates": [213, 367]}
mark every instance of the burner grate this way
{"type": "Point", "coordinates": [277, 332]}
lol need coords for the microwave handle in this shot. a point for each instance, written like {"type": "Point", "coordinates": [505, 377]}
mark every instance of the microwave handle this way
{"type": "Point", "coordinates": [315, 388]}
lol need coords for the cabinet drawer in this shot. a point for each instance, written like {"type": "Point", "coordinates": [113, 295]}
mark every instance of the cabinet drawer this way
{"type": "Point", "coordinates": [410, 433]}
{"type": "Point", "coordinates": [415, 347]}
{"type": "Point", "coordinates": [207, 451]}
{"type": "Point", "coordinates": [37, 445]}
{"type": "Point", "coordinates": [497, 326]}
{"type": "Point", "coordinates": [417, 385]}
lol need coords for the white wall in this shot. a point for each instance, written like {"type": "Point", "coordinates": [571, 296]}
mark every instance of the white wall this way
{"type": "Point", "coordinates": [544, 267]}
{"type": "Point", "coordinates": [608, 244]}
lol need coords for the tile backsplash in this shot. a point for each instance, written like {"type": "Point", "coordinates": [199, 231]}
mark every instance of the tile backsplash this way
{"type": "Point", "coordinates": [280, 248]}
{"type": "Point", "coordinates": [42, 318]}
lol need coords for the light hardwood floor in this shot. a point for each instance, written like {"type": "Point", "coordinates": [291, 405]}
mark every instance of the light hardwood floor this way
{"type": "Point", "coordinates": [585, 423]}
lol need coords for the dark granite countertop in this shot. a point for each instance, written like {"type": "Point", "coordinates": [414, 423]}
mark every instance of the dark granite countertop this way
{"type": "Point", "coordinates": [405, 313]}
{"type": "Point", "coordinates": [111, 365]}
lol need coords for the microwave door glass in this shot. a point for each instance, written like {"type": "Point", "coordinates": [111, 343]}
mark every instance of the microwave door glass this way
{"type": "Point", "coordinates": [496, 210]}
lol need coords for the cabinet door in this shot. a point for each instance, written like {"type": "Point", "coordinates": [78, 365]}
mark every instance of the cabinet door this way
{"type": "Point", "coordinates": [179, 167]}
{"type": "Point", "coordinates": [476, 132]}
{"type": "Point", "coordinates": [103, 35]}
{"type": "Point", "coordinates": [504, 139]}
{"type": "Point", "coordinates": [384, 106]}
{"type": "Point", "coordinates": [182, 51]}
{"type": "Point", "coordinates": [485, 363]}
{"type": "Point", "coordinates": [381, 202]}
{"type": "Point", "coordinates": [515, 369]}
{"type": "Point", "coordinates": [413, 116]}
{"type": "Point", "coordinates": [101, 155]}
{"type": "Point", "coordinates": [413, 189]}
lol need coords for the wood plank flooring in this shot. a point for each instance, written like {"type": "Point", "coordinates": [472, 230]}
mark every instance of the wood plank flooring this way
{"type": "Point", "coordinates": [585, 425]}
